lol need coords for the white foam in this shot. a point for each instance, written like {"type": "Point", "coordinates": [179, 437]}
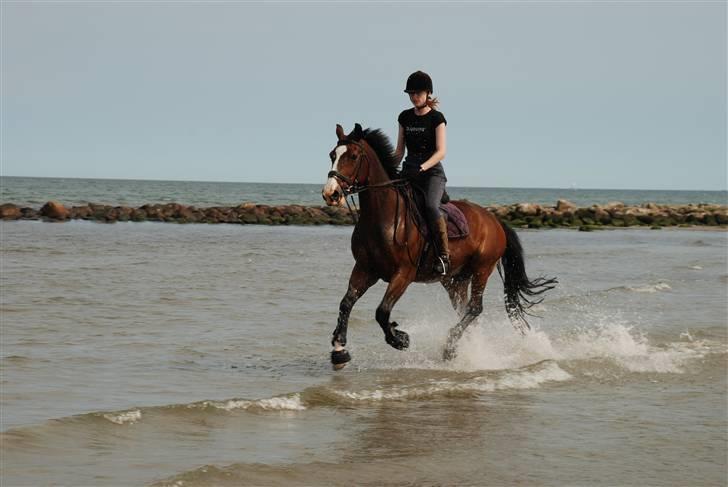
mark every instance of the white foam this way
{"type": "Point", "coordinates": [517, 379]}
{"type": "Point", "coordinates": [502, 348]}
{"type": "Point", "coordinates": [491, 344]}
{"type": "Point", "coordinates": [289, 403]}
{"type": "Point", "coordinates": [650, 288]}
{"type": "Point", "coordinates": [686, 334]}
{"type": "Point", "coordinates": [124, 417]}
{"type": "Point", "coordinates": [627, 348]}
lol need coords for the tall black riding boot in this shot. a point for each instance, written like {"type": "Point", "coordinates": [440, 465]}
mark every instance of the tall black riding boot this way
{"type": "Point", "coordinates": [442, 263]}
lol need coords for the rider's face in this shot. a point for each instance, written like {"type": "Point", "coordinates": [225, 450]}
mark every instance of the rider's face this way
{"type": "Point", "coordinates": [418, 98]}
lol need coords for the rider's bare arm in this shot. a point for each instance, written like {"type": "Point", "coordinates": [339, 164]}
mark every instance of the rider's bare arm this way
{"type": "Point", "coordinates": [399, 151]}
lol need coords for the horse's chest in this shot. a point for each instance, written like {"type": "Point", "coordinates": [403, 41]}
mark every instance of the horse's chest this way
{"type": "Point", "coordinates": [378, 252]}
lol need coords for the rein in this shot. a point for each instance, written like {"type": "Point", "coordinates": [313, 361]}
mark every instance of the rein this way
{"type": "Point", "coordinates": [351, 190]}
{"type": "Point", "coordinates": [354, 187]}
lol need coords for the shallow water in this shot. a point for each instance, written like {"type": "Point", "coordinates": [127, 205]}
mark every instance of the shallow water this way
{"type": "Point", "coordinates": [144, 353]}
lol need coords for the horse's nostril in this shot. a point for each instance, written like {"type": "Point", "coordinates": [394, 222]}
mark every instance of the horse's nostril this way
{"type": "Point", "coordinates": [335, 195]}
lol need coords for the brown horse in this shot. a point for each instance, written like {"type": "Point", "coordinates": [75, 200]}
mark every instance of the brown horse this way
{"type": "Point", "coordinates": [387, 245]}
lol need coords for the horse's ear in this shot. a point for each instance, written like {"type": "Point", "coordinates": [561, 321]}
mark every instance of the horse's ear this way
{"type": "Point", "coordinates": [357, 131]}
{"type": "Point", "coordinates": [340, 132]}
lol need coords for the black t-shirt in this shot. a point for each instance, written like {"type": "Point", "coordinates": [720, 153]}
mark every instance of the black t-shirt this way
{"type": "Point", "coordinates": [419, 131]}
{"type": "Point", "coordinates": [419, 137]}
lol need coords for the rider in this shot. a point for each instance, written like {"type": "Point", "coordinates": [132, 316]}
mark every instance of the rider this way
{"type": "Point", "coordinates": [422, 131]}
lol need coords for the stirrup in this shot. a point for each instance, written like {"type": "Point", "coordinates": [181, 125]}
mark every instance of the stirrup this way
{"type": "Point", "coordinates": [442, 265]}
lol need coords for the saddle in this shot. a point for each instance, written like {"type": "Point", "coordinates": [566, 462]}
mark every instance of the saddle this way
{"type": "Point", "coordinates": [457, 225]}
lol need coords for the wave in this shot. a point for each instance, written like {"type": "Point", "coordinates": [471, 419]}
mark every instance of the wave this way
{"type": "Point", "coordinates": [640, 288]}
{"type": "Point", "coordinates": [527, 378]}
{"type": "Point", "coordinates": [291, 402]}
{"type": "Point", "coordinates": [650, 288]}
{"type": "Point", "coordinates": [490, 359]}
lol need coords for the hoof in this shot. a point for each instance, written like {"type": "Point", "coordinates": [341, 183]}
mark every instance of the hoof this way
{"type": "Point", "coordinates": [339, 359]}
{"type": "Point", "coordinates": [449, 353]}
{"type": "Point", "coordinates": [398, 339]}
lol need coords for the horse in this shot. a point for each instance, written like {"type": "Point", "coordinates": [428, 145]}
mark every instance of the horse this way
{"type": "Point", "coordinates": [387, 244]}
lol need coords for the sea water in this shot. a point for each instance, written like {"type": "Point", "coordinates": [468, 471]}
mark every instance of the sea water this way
{"type": "Point", "coordinates": [177, 355]}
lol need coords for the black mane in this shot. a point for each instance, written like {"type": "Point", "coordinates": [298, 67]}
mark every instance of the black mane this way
{"type": "Point", "coordinates": [383, 148]}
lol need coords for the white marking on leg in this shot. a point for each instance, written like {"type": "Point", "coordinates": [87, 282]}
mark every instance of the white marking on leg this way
{"type": "Point", "coordinates": [338, 347]}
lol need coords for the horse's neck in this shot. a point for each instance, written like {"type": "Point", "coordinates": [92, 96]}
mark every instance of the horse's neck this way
{"type": "Point", "coordinates": [378, 202]}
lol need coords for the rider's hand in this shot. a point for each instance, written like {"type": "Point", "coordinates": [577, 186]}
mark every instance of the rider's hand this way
{"type": "Point", "coordinates": [410, 172]}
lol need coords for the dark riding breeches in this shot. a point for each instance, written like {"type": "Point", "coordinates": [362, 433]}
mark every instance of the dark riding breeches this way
{"type": "Point", "coordinates": [431, 183]}
{"type": "Point", "coordinates": [432, 187]}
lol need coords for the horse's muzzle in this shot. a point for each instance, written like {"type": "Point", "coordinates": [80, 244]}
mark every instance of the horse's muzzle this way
{"type": "Point", "coordinates": [332, 195]}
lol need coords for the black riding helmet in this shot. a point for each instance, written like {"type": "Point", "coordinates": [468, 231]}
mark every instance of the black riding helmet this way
{"type": "Point", "coordinates": [419, 81]}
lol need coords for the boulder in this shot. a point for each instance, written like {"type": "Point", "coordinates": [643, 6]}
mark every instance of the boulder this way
{"type": "Point", "coordinates": [186, 213]}
{"type": "Point", "coordinates": [123, 213]}
{"type": "Point", "coordinates": [565, 205]}
{"type": "Point", "coordinates": [9, 211]}
{"type": "Point", "coordinates": [246, 206]}
{"type": "Point", "coordinates": [54, 210]}
{"type": "Point", "coordinates": [721, 216]}
{"type": "Point", "coordinates": [138, 215]}
{"type": "Point", "coordinates": [81, 212]}
{"type": "Point", "coordinates": [528, 209]}
{"type": "Point", "coordinates": [602, 216]}
{"type": "Point", "coordinates": [29, 213]}
{"type": "Point", "coordinates": [502, 211]}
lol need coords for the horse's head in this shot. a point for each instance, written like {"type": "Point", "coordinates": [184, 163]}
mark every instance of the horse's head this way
{"type": "Point", "coordinates": [347, 168]}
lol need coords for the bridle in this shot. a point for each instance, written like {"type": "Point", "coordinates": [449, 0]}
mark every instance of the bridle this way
{"type": "Point", "coordinates": [351, 182]}
{"type": "Point", "coordinates": [354, 186]}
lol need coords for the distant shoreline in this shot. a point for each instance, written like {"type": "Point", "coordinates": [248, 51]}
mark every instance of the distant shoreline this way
{"type": "Point", "coordinates": [520, 215]}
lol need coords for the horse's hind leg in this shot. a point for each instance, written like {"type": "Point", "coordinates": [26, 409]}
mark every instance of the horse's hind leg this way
{"type": "Point", "coordinates": [397, 286]}
{"type": "Point", "coordinates": [472, 310]}
{"type": "Point", "coordinates": [359, 282]}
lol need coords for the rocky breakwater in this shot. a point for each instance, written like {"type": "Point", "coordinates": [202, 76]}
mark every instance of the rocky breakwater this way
{"type": "Point", "coordinates": [246, 213]}
{"type": "Point", "coordinates": [615, 214]}
{"type": "Point", "coordinates": [523, 215]}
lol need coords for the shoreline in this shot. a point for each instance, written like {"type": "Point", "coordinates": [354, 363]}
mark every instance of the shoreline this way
{"type": "Point", "coordinates": [520, 215]}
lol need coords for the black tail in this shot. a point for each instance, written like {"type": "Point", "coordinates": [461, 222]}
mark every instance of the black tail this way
{"type": "Point", "coordinates": [518, 289]}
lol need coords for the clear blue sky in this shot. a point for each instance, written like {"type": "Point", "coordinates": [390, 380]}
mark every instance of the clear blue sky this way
{"type": "Point", "coordinates": [609, 94]}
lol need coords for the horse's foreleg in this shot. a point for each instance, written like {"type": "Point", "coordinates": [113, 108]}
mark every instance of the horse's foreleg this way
{"type": "Point", "coordinates": [472, 311]}
{"type": "Point", "coordinates": [359, 282]}
{"type": "Point", "coordinates": [397, 286]}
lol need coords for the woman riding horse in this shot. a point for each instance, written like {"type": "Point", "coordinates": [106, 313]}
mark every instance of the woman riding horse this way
{"type": "Point", "coordinates": [387, 243]}
{"type": "Point", "coordinates": [422, 131]}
